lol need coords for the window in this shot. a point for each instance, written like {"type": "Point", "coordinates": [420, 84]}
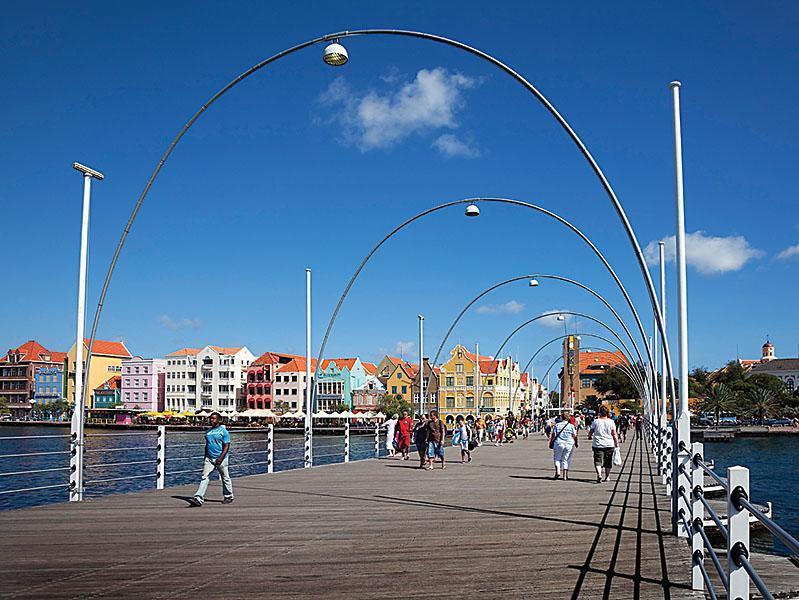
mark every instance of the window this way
{"type": "Point", "coordinates": [459, 368]}
{"type": "Point", "coordinates": [137, 369]}
{"type": "Point", "coordinates": [585, 383]}
{"type": "Point", "coordinates": [294, 378]}
{"type": "Point", "coordinates": [293, 391]}
{"type": "Point", "coordinates": [450, 381]}
{"type": "Point", "coordinates": [278, 391]}
{"type": "Point", "coordinates": [393, 389]}
{"type": "Point", "coordinates": [469, 401]}
{"type": "Point", "coordinates": [469, 380]}
{"type": "Point", "coordinates": [450, 402]}
{"type": "Point", "coordinates": [404, 389]}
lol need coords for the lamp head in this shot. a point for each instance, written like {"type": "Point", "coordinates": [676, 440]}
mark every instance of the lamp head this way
{"type": "Point", "coordinates": [472, 211]}
{"type": "Point", "coordinates": [560, 318]}
{"type": "Point", "coordinates": [335, 55]}
{"type": "Point", "coordinates": [88, 171]}
{"type": "Point", "coordinates": [533, 282]}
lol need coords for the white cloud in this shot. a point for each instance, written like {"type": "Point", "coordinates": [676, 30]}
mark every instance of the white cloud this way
{"type": "Point", "coordinates": [511, 307]}
{"type": "Point", "coordinates": [451, 146]}
{"type": "Point", "coordinates": [709, 255]}
{"type": "Point", "coordinates": [403, 348]}
{"type": "Point", "coordinates": [551, 320]}
{"type": "Point", "coordinates": [171, 324]}
{"type": "Point", "coordinates": [376, 120]}
{"type": "Point", "coordinates": [789, 252]}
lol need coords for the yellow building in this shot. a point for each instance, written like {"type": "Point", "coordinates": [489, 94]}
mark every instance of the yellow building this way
{"type": "Point", "coordinates": [400, 381]}
{"type": "Point", "coordinates": [106, 362]}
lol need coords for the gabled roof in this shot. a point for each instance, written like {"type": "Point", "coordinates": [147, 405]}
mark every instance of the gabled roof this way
{"type": "Point", "coordinates": [489, 366]}
{"type": "Point", "coordinates": [296, 365]}
{"type": "Point", "coordinates": [773, 366]}
{"type": "Point", "coordinates": [525, 377]}
{"type": "Point", "coordinates": [115, 383]}
{"type": "Point", "coordinates": [34, 351]}
{"type": "Point", "coordinates": [271, 358]}
{"type": "Point", "coordinates": [395, 360]}
{"type": "Point", "coordinates": [223, 350]}
{"type": "Point", "coordinates": [185, 352]}
{"type": "Point", "coordinates": [370, 368]}
{"type": "Point", "coordinates": [106, 348]}
{"type": "Point", "coordinates": [601, 359]}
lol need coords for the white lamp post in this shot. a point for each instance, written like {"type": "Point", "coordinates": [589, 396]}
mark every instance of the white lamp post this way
{"type": "Point", "coordinates": [76, 459]}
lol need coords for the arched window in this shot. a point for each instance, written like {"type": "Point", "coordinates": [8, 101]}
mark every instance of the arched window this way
{"type": "Point", "coordinates": [789, 382]}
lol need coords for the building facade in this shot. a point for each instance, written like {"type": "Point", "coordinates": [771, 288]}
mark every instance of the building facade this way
{"type": "Point", "coordinates": [144, 383]}
{"type": "Point", "coordinates": [431, 383]}
{"type": "Point", "coordinates": [108, 394]}
{"type": "Point", "coordinates": [49, 382]}
{"type": "Point", "coordinates": [400, 382]}
{"type": "Point", "coordinates": [593, 364]}
{"type": "Point", "coordinates": [367, 397]}
{"type": "Point", "coordinates": [106, 362]}
{"type": "Point", "coordinates": [261, 378]}
{"type": "Point", "coordinates": [209, 378]}
{"type": "Point", "coordinates": [785, 369]}
{"type": "Point", "coordinates": [337, 378]}
{"type": "Point", "coordinates": [289, 386]}
{"type": "Point", "coordinates": [18, 374]}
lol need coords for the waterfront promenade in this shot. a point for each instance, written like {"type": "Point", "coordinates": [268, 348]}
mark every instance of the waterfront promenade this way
{"type": "Point", "coordinates": [498, 526]}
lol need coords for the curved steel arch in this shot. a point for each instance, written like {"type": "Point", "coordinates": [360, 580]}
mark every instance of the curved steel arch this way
{"type": "Point", "coordinates": [442, 40]}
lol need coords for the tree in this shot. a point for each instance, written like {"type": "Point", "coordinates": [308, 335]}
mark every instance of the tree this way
{"type": "Point", "coordinates": [4, 410]}
{"type": "Point", "coordinates": [280, 407]}
{"type": "Point", "coordinates": [591, 402]}
{"type": "Point", "coordinates": [719, 398]}
{"type": "Point", "coordinates": [631, 405]}
{"type": "Point", "coordinates": [615, 385]}
{"type": "Point", "coordinates": [341, 407]}
{"type": "Point", "coordinates": [761, 404]}
{"type": "Point", "coordinates": [393, 404]}
{"type": "Point", "coordinates": [698, 383]}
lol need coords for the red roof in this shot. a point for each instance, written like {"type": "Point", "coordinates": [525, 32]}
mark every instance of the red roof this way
{"type": "Point", "coordinates": [489, 366]}
{"type": "Point", "coordinates": [223, 350]}
{"type": "Point", "coordinates": [115, 383]}
{"type": "Point", "coordinates": [107, 348]}
{"type": "Point", "coordinates": [601, 358]}
{"type": "Point", "coordinates": [524, 377]}
{"type": "Point", "coordinates": [340, 363]}
{"type": "Point", "coordinates": [271, 358]}
{"type": "Point", "coordinates": [34, 351]}
{"type": "Point", "coordinates": [296, 365]}
{"type": "Point", "coordinates": [185, 352]}
{"type": "Point", "coordinates": [370, 368]}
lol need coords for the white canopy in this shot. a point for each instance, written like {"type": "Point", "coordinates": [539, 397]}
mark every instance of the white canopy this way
{"type": "Point", "coordinates": [347, 414]}
{"type": "Point", "coordinates": [380, 415]}
{"type": "Point", "coordinates": [261, 413]}
{"type": "Point", "coordinates": [293, 415]}
{"type": "Point", "coordinates": [323, 415]}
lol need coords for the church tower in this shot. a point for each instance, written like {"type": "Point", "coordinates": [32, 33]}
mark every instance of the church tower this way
{"type": "Point", "coordinates": [768, 352]}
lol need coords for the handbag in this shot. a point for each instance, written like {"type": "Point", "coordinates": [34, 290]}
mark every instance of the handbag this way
{"type": "Point", "coordinates": [617, 456]}
{"type": "Point", "coordinates": [456, 437]}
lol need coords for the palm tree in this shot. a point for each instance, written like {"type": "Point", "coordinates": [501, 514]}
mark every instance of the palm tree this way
{"type": "Point", "coordinates": [762, 404]}
{"type": "Point", "coordinates": [718, 399]}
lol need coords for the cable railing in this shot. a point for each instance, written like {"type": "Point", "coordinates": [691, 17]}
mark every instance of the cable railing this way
{"type": "Point", "coordinates": [115, 462]}
{"type": "Point", "coordinates": [732, 563]}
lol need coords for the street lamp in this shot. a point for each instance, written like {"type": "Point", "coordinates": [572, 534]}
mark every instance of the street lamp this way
{"type": "Point", "coordinates": [335, 55]}
{"type": "Point", "coordinates": [472, 211]}
{"type": "Point", "coordinates": [533, 283]}
{"type": "Point", "coordinates": [76, 460]}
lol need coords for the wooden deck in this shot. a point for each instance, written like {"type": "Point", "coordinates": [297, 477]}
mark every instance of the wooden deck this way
{"type": "Point", "coordinates": [498, 526]}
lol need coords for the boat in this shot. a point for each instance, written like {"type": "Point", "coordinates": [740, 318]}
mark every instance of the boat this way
{"type": "Point", "coordinates": [721, 510]}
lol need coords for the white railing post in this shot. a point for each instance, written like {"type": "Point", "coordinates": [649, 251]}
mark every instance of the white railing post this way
{"type": "Point", "coordinates": [270, 448]}
{"type": "Point", "coordinates": [697, 516]}
{"type": "Point", "coordinates": [682, 481]}
{"type": "Point", "coordinates": [738, 532]}
{"type": "Point", "coordinates": [377, 440]}
{"type": "Point", "coordinates": [308, 433]}
{"type": "Point", "coordinates": [667, 474]}
{"type": "Point", "coordinates": [75, 465]}
{"type": "Point", "coordinates": [347, 441]}
{"type": "Point", "coordinates": [160, 467]}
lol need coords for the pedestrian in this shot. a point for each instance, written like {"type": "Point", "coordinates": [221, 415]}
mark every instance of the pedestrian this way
{"type": "Point", "coordinates": [639, 424]}
{"type": "Point", "coordinates": [563, 441]}
{"type": "Point", "coordinates": [604, 441]}
{"type": "Point", "coordinates": [499, 431]}
{"type": "Point", "coordinates": [391, 428]}
{"type": "Point", "coordinates": [490, 426]}
{"type": "Point", "coordinates": [480, 428]}
{"type": "Point", "coordinates": [217, 447]}
{"type": "Point", "coordinates": [435, 439]}
{"type": "Point", "coordinates": [403, 435]}
{"type": "Point", "coordinates": [623, 425]}
{"type": "Point", "coordinates": [463, 435]}
{"type": "Point", "coordinates": [526, 426]}
{"type": "Point", "coordinates": [420, 438]}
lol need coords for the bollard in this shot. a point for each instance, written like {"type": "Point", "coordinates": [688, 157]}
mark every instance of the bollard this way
{"type": "Point", "coordinates": [738, 532]}
{"type": "Point", "coordinates": [347, 441]}
{"type": "Point", "coordinates": [75, 465]}
{"type": "Point", "coordinates": [377, 440]}
{"type": "Point", "coordinates": [160, 466]}
{"type": "Point", "coordinates": [270, 448]}
{"type": "Point", "coordinates": [697, 516]}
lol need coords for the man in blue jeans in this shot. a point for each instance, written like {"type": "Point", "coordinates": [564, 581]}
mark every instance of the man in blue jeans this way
{"type": "Point", "coordinates": [217, 446]}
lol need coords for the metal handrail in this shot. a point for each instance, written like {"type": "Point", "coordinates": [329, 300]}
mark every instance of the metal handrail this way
{"type": "Point", "coordinates": [34, 437]}
{"type": "Point", "coordinates": [35, 454]}
{"type": "Point", "coordinates": [708, 583]}
{"type": "Point", "coordinates": [714, 557]}
{"type": "Point", "coordinates": [187, 445]}
{"type": "Point", "coordinates": [710, 472]}
{"type": "Point", "coordinates": [34, 471]}
{"type": "Point", "coordinates": [250, 452]}
{"type": "Point", "coordinates": [785, 537]}
{"type": "Point", "coordinates": [88, 450]}
{"type": "Point", "coordinates": [119, 464]}
{"type": "Point", "coordinates": [171, 458]}
{"type": "Point", "coordinates": [121, 433]}
{"type": "Point", "coordinates": [338, 454]}
{"type": "Point", "coordinates": [33, 489]}
{"type": "Point", "coordinates": [180, 472]}
{"type": "Point", "coordinates": [120, 478]}
{"type": "Point", "coordinates": [714, 515]}
{"type": "Point", "coordinates": [743, 559]}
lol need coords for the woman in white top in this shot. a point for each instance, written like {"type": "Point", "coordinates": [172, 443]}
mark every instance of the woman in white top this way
{"type": "Point", "coordinates": [605, 440]}
{"type": "Point", "coordinates": [563, 441]}
{"type": "Point", "coordinates": [391, 427]}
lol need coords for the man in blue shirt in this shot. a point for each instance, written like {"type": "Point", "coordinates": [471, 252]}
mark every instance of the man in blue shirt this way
{"type": "Point", "coordinates": [217, 446]}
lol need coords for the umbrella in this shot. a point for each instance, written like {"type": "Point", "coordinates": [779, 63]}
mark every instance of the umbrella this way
{"type": "Point", "coordinates": [347, 414]}
{"type": "Point", "coordinates": [380, 415]}
{"type": "Point", "coordinates": [323, 415]}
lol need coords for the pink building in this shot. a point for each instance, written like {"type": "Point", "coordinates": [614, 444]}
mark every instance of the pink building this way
{"type": "Point", "coordinates": [261, 378]}
{"type": "Point", "coordinates": [143, 383]}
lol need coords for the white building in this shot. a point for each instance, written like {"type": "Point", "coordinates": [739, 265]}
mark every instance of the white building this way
{"type": "Point", "coordinates": [209, 378]}
{"type": "Point", "coordinates": [289, 386]}
{"type": "Point", "coordinates": [786, 369]}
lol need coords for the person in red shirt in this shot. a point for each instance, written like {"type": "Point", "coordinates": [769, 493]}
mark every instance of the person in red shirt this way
{"type": "Point", "coordinates": [404, 429]}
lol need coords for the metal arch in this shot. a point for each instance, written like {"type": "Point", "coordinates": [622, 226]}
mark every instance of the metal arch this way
{"type": "Point", "coordinates": [440, 39]}
{"type": "Point", "coordinates": [537, 276]}
{"type": "Point", "coordinates": [627, 352]}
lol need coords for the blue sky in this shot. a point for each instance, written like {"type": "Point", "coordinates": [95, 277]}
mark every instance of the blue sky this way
{"type": "Point", "coordinates": [306, 165]}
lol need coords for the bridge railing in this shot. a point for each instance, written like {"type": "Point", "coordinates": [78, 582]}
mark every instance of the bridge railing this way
{"type": "Point", "coordinates": [731, 564]}
{"type": "Point", "coordinates": [115, 461]}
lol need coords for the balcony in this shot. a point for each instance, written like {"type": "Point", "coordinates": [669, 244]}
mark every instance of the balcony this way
{"type": "Point", "coordinates": [208, 366]}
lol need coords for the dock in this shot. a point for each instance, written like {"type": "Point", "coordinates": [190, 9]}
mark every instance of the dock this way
{"type": "Point", "coordinates": [499, 526]}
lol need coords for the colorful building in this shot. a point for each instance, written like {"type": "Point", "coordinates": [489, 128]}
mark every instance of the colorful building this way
{"type": "Point", "coordinates": [261, 378]}
{"type": "Point", "coordinates": [367, 397]}
{"type": "Point", "coordinates": [431, 383]}
{"type": "Point", "coordinates": [106, 362]}
{"type": "Point", "coordinates": [592, 365]}
{"type": "Point", "coordinates": [399, 383]}
{"type": "Point", "coordinates": [143, 383]}
{"type": "Point", "coordinates": [289, 385]}
{"type": "Point", "coordinates": [336, 379]}
{"type": "Point", "coordinates": [210, 378]}
{"type": "Point", "coordinates": [386, 367]}
{"type": "Point", "coordinates": [49, 382]}
{"type": "Point", "coordinates": [108, 394]}
{"type": "Point", "coordinates": [18, 375]}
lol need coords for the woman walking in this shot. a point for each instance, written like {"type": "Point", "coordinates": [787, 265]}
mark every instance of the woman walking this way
{"type": "Point", "coordinates": [604, 442]}
{"type": "Point", "coordinates": [464, 435]}
{"type": "Point", "coordinates": [391, 428]}
{"type": "Point", "coordinates": [563, 441]}
{"type": "Point", "coordinates": [404, 428]}
{"type": "Point", "coordinates": [420, 439]}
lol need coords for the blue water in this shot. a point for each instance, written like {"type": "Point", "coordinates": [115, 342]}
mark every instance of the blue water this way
{"type": "Point", "coordinates": [112, 455]}
{"type": "Point", "coordinates": [772, 477]}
